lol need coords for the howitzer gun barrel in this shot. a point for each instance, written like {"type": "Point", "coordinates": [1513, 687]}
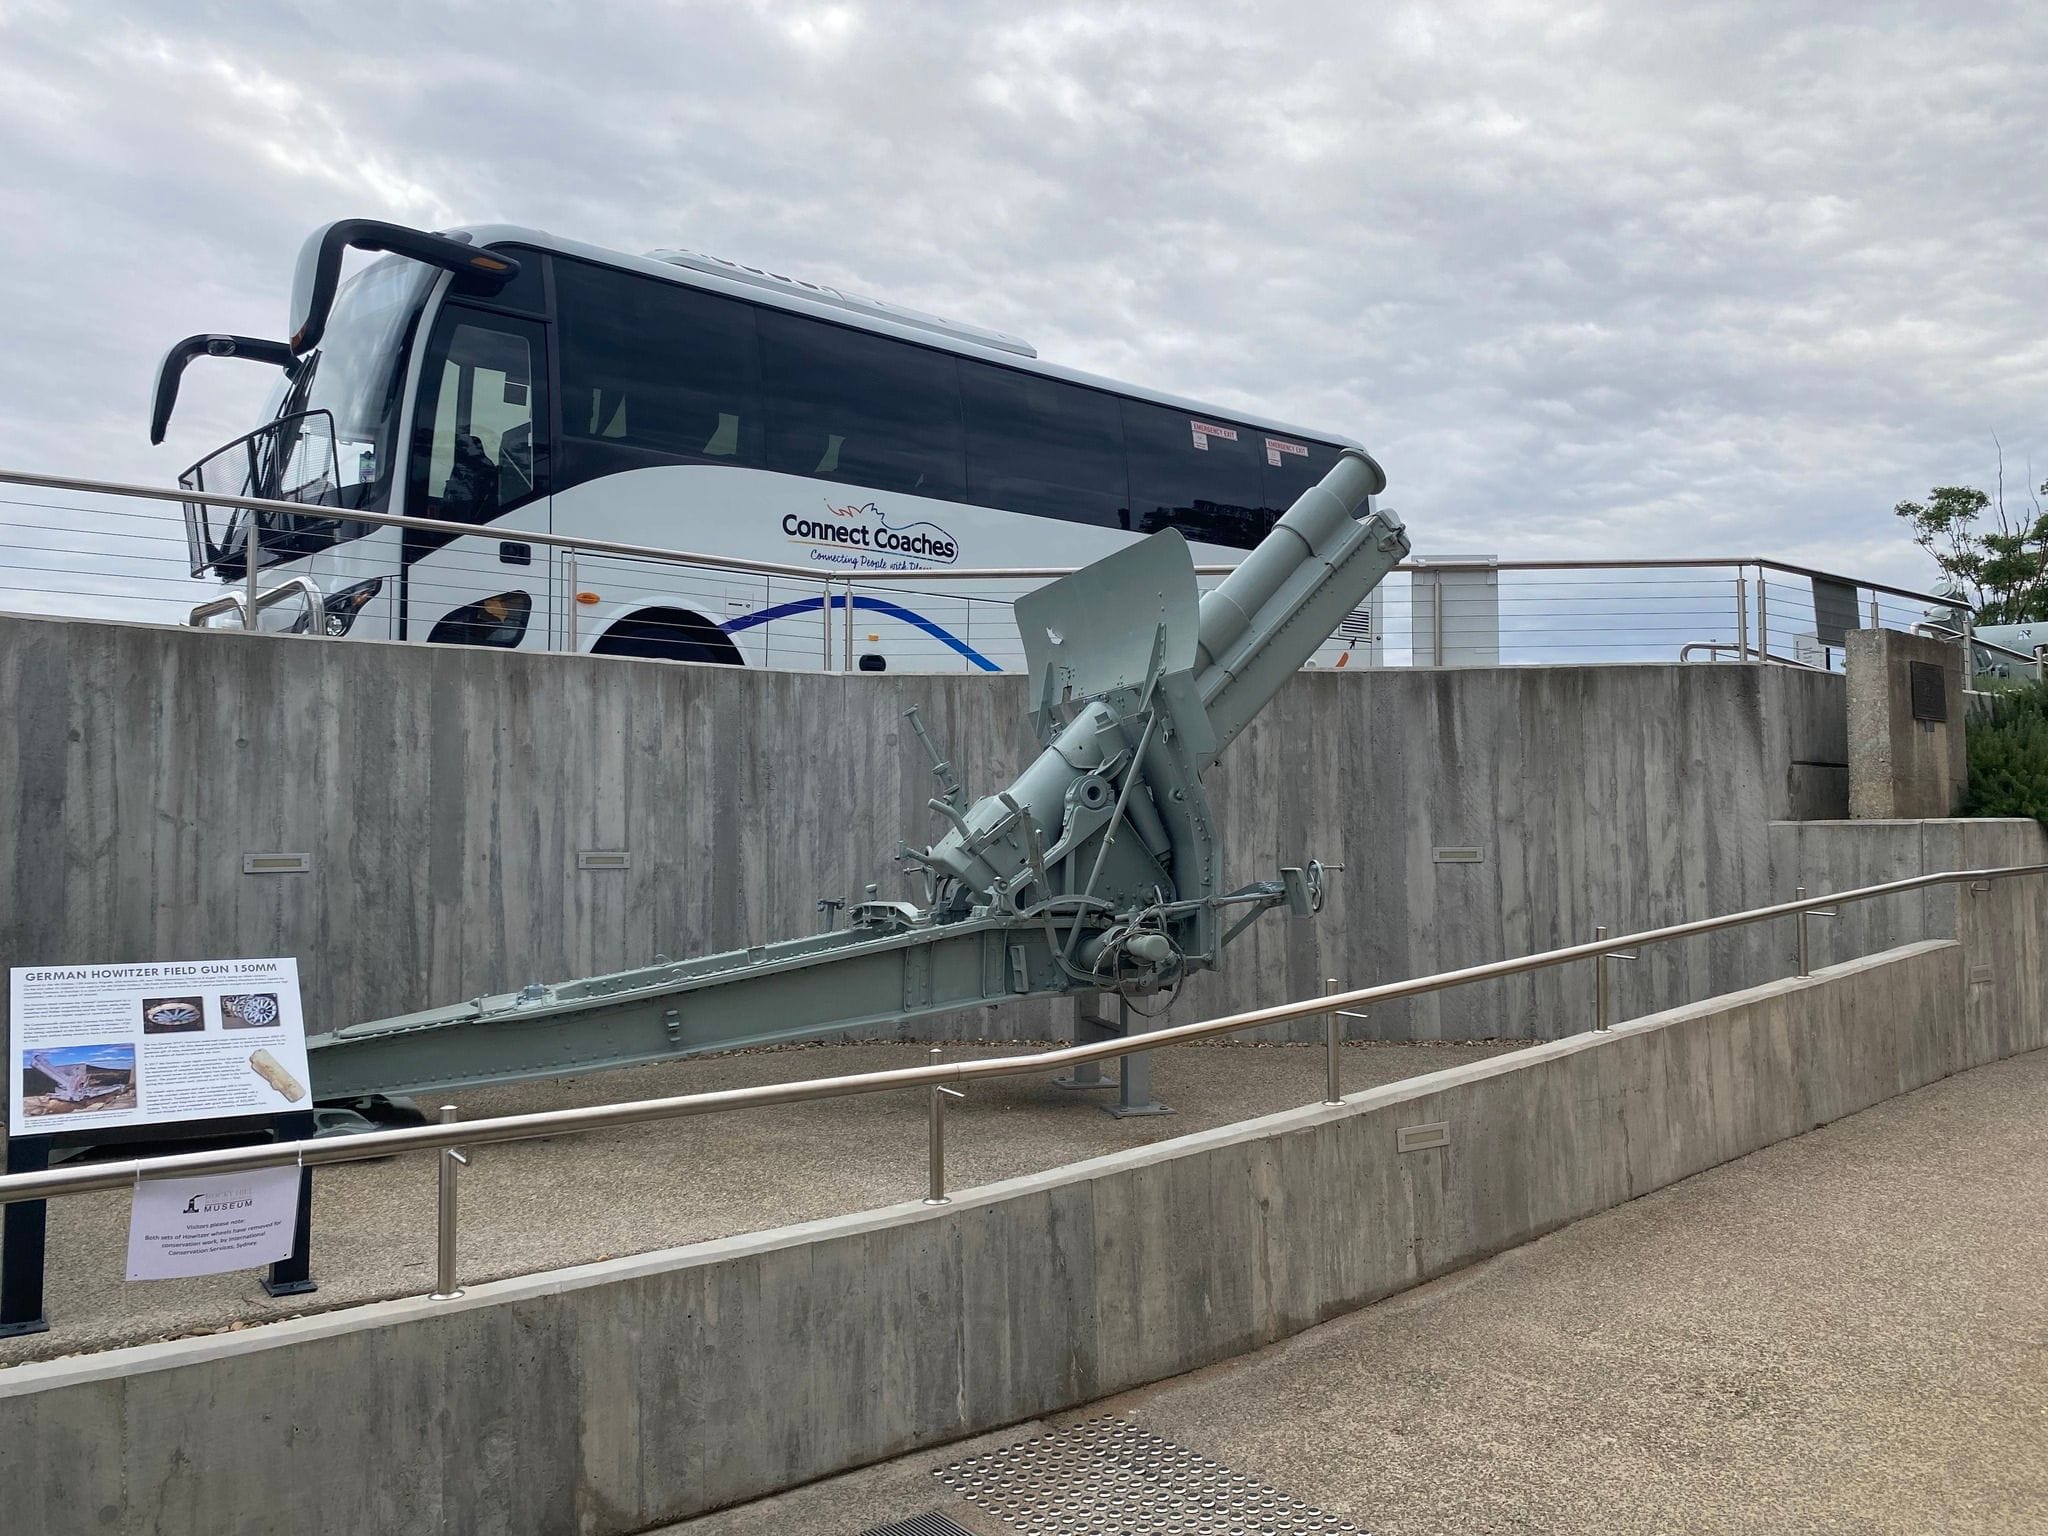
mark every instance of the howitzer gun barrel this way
{"type": "Point", "coordinates": [1289, 594]}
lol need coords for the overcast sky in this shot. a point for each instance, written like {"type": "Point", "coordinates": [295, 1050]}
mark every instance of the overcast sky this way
{"type": "Point", "coordinates": [1703, 278]}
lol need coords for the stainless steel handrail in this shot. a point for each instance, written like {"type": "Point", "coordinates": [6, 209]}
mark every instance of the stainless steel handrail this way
{"type": "Point", "coordinates": [810, 573]}
{"type": "Point", "coordinates": [235, 603]}
{"type": "Point", "coordinates": [594, 1117]}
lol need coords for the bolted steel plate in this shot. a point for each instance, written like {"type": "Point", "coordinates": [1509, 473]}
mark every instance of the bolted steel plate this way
{"type": "Point", "coordinates": [1108, 1477]}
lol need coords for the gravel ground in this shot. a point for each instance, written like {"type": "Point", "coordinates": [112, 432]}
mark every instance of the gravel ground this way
{"type": "Point", "coordinates": [538, 1205]}
{"type": "Point", "coordinates": [1847, 1332]}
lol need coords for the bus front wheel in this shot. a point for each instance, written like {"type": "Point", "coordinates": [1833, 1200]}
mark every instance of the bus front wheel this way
{"type": "Point", "coordinates": [669, 634]}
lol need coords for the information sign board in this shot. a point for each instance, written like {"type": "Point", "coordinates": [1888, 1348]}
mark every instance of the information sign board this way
{"type": "Point", "coordinates": [154, 1044]}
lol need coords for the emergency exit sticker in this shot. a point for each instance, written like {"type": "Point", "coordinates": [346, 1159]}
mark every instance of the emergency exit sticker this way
{"type": "Point", "coordinates": [1204, 431]}
{"type": "Point", "coordinates": [1275, 446]}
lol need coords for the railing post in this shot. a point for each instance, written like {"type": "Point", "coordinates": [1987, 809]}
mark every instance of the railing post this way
{"type": "Point", "coordinates": [252, 553]}
{"type": "Point", "coordinates": [1876, 621]}
{"type": "Point", "coordinates": [825, 625]}
{"type": "Point", "coordinates": [846, 661]}
{"type": "Point", "coordinates": [1763, 615]}
{"type": "Point", "coordinates": [935, 1188]}
{"type": "Point", "coordinates": [1603, 990]}
{"type": "Point", "coordinates": [1741, 615]}
{"type": "Point", "coordinates": [445, 1288]}
{"type": "Point", "coordinates": [1332, 1038]}
{"type": "Point", "coordinates": [575, 606]}
{"type": "Point", "coordinates": [1600, 976]}
{"type": "Point", "coordinates": [1805, 947]}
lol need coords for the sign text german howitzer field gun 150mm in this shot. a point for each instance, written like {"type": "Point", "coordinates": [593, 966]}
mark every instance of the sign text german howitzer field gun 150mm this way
{"type": "Point", "coordinates": [1097, 870]}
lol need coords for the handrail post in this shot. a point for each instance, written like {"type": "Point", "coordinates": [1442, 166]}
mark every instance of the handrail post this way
{"type": "Point", "coordinates": [1763, 615]}
{"type": "Point", "coordinates": [935, 1187]}
{"type": "Point", "coordinates": [1805, 949]}
{"type": "Point", "coordinates": [252, 555]}
{"type": "Point", "coordinates": [1741, 614]}
{"type": "Point", "coordinates": [1600, 999]}
{"type": "Point", "coordinates": [1332, 1038]}
{"type": "Point", "coordinates": [846, 661]}
{"type": "Point", "coordinates": [1603, 989]}
{"type": "Point", "coordinates": [825, 624]}
{"type": "Point", "coordinates": [445, 1288]}
{"type": "Point", "coordinates": [574, 605]}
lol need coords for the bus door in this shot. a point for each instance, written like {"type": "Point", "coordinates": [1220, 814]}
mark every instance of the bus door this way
{"type": "Point", "coordinates": [479, 454]}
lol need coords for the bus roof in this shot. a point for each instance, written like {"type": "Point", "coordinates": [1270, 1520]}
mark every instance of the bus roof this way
{"type": "Point", "coordinates": [869, 315]}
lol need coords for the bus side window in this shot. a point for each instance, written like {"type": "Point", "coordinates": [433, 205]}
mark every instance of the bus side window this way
{"type": "Point", "coordinates": [475, 450]}
{"type": "Point", "coordinates": [1042, 446]}
{"type": "Point", "coordinates": [855, 407]}
{"type": "Point", "coordinates": [1197, 474]}
{"type": "Point", "coordinates": [653, 373]}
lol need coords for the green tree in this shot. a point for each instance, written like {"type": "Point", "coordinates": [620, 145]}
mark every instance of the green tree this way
{"type": "Point", "coordinates": [2009, 756]}
{"type": "Point", "coordinates": [2002, 571]}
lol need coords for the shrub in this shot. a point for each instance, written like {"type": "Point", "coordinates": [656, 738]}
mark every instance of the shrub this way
{"type": "Point", "coordinates": [2008, 750]}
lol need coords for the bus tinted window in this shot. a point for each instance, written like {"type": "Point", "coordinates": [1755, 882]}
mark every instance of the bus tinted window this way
{"type": "Point", "coordinates": [1291, 465]}
{"type": "Point", "coordinates": [859, 408]}
{"type": "Point", "coordinates": [653, 373]}
{"type": "Point", "coordinates": [1198, 474]}
{"type": "Point", "coordinates": [1043, 447]}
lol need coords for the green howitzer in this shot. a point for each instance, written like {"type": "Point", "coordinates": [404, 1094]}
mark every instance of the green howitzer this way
{"type": "Point", "coordinates": [1098, 870]}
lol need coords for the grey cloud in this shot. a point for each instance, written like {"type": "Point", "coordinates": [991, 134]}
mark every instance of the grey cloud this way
{"type": "Point", "coordinates": [1589, 279]}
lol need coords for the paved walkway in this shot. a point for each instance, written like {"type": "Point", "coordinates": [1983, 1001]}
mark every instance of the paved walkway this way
{"type": "Point", "coordinates": [1847, 1332]}
{"type": "Point", "coordinates": [537, 1205]}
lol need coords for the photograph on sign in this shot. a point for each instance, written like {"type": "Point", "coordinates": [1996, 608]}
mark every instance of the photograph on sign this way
{"type": "Point", "coordinates": [77, 1079]}
{"type": "Point", "coordinates": [154, 1044]}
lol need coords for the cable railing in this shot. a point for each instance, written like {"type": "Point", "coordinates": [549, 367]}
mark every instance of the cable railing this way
{"type": "Point", "coordinates": [940, 1079]}
{"type": "Point", "coordinates": [557, 591]}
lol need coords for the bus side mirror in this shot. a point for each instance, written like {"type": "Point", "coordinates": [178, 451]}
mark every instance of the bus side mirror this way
{"type": "Point", "coordinates": [172, 369]}
{"type": "Point", "coordinates": [318, 275]}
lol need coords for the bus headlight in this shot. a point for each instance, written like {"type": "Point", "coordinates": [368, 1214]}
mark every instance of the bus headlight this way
{"type": "Point", "coordinates": [497, 621]}
{"type": "Point", "coordinates": [338, 611]}
{"type": "Point", "coordinates": [344, 605]}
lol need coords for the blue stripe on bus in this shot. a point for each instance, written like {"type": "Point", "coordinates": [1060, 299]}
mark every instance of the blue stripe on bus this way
{"type": "Point", "coordinates": [879, 605]}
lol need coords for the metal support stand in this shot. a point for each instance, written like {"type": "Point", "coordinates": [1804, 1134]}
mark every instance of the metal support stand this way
{"type": "Point", "coordinates": [935, 1187]}
{"type": "Point", "coordinates": [1603, 999]}
{"type": "Point", "coordinates": [1134, 1085]}
{"type": "Point", "coordinates": [24, 1225]}
{"type": "Point", "coordinates": [292, 1275]}
{"type": "Point", "coordinates": [21, 1245]}
{"type": "Point", "coordinates": [445, 1288]}
{"type": "Point", "coordinates": [1805, 948]}
{"type": "Point", "coordinates": [1090, 1028]}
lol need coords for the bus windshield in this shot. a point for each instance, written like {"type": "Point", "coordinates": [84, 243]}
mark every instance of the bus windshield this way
{"type": "Point", "coordinates": [332, 440]}
{"type": "Point", "coordinates": [355, 377]}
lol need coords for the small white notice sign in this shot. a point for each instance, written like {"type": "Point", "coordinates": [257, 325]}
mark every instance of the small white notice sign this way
{"type": "Point", "coordinates": [154, 1044]}
{"type": "Point", "coordinates": [181, 1227]}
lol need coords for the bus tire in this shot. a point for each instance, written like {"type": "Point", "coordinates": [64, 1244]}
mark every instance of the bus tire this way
{"type": "Point", "coordinates": [669, 634]}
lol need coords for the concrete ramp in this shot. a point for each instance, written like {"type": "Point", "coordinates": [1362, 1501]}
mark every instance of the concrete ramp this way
{"type": "Point", "coordinates": [612, 1397]}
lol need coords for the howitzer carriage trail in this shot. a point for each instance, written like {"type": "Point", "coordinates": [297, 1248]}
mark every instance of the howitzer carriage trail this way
{"type": "Point", "coordinates": [1097, 870]}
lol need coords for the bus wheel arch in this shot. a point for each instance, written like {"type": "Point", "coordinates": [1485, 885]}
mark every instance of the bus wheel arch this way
{"type": "Point", "coordinates": [668, 634]}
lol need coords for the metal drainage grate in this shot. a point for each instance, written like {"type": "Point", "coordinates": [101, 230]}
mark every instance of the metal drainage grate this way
{"type": "Point", "coordinates": [933, 1524]}
{"type": "Point", "coordinates": [1110, 1478]}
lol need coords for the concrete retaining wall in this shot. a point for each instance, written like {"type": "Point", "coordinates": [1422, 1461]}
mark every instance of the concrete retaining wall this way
{"type": "Point", "coordinates": [443, 796]}
{"type": "Point", "coordinates": [617, 1396]}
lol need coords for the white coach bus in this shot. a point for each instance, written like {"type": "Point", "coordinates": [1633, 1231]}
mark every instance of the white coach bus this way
{"type": "Point", "coordinates": [506, 379]}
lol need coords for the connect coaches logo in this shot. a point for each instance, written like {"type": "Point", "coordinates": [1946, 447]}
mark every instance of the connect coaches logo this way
{"type": "Point", "coordinates": [864, 527]}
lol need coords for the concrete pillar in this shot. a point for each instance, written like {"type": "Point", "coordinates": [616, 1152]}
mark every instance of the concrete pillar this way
{"type": "Point", "coordinates": [1906, 714]}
